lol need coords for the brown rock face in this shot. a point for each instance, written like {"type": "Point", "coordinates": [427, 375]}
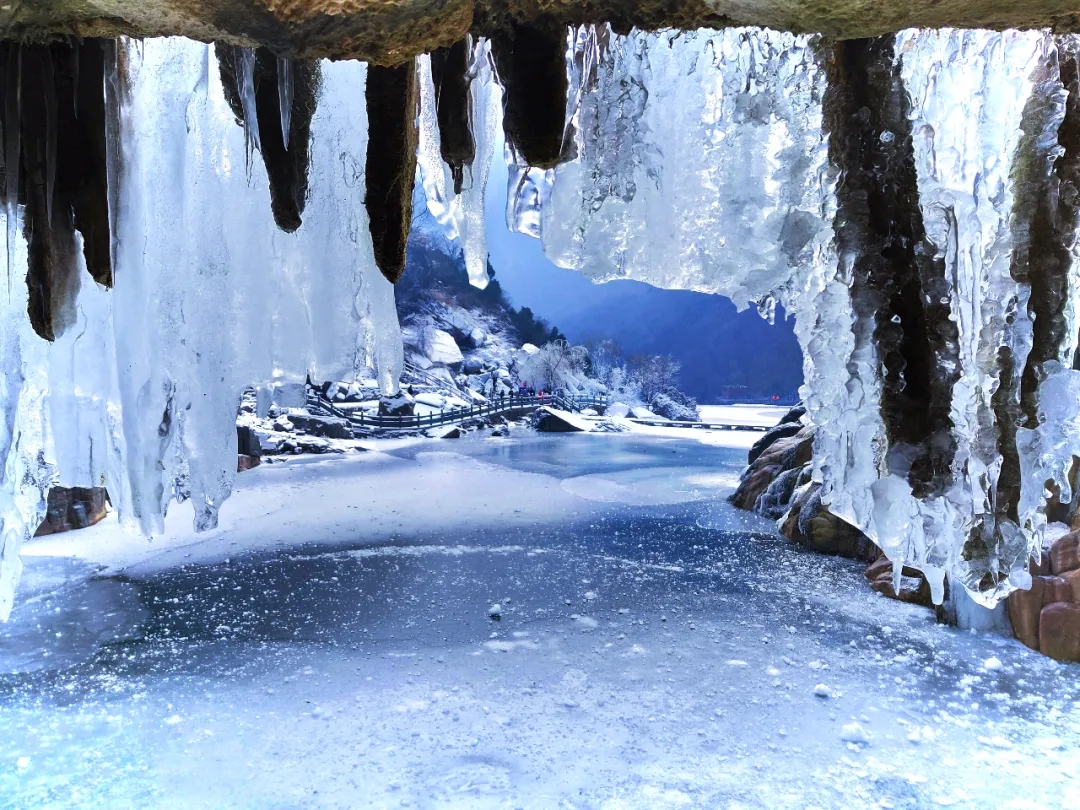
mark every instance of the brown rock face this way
{"type": "Point", "coordinates": [392, 31]}
{"type": "Point", "coordinates": [1065, 553]}
{"type": "Point", "coordinates": [913, 585]}
{"type": "Point", "coordinates": [73, 508]}
{"type": "Point", "coordinates": [391, 163]}
{"type": "Point", "coordinates": [531, 61]}
{"type": "Point", "coordinates": [56, 94]}
{"type": "Point", "coordinates": [1073, 578]}
{"type": "Point", "coordinates": [1025, 606]}
{"type": "Point", "coordinates": [286, 166]}
{"type": "Point", "coordinates": [1059, 631]}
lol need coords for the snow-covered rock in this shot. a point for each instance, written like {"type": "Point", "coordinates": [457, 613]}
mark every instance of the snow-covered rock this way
{"type": "Point", "coordinates": [477, 337]}
{"type": "Point", "coordinates": [442, 348]}
{"type": "Point", "coordinates": [619, 410]}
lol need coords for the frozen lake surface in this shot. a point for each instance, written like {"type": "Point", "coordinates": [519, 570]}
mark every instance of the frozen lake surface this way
{"type": "Point", "coordinates": [332, 645]}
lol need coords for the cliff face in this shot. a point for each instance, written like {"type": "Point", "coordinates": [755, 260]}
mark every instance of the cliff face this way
{"type": "Point", "coordinates": [389, 32]}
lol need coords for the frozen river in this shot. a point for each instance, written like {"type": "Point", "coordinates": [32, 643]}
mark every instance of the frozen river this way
{"type": "Point", "coordinates": [330, 645]}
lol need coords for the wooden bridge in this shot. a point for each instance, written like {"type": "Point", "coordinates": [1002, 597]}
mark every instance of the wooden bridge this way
{"type": "Point", "coordinates": [516, 403]}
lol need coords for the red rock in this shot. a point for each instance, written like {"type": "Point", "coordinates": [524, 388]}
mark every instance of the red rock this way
{"type": "Point", "coordinates": [246, 462]}
{"type": "Point", "coordinates": [1026, 606]}
{"type": "Point", "coordinates": [1065, 553]}
{"type": "Point", "coordinates": [1059, 631]}
{"type": "Point", "coordinates": [1073, 578]}
{"type": "Point", "coordinates": [73, 508]}
{"type": "Point", "coordinates": [1040, 568]}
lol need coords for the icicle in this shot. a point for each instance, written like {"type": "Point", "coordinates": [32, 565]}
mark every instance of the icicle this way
{"type": "Point", "coordinates": [12, 152]}
{"type": "Point", "coordinates": [25, 474]}
{"type": "Point", "coordinates": [246, 88]}
{"type": "Point", "coordinates": [49, 81]}
{"type": "Point", "coordinates": [285, 96]}
{"type": "Point", "coordinates": [462, 215]}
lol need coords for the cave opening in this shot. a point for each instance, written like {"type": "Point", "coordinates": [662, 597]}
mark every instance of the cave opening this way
{"type": "Point", "coordinates": [392, 395]}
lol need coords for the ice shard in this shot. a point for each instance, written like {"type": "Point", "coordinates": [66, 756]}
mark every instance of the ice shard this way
{"type": "Point", "coordinates": [455, 180]}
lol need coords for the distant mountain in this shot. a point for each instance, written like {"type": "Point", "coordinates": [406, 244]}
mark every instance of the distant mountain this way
{"type": "Point", "coordinates": [723, 352]}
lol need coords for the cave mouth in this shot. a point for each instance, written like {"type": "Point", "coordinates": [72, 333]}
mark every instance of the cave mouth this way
{"type": "Point", "coordinates": [266, 308]}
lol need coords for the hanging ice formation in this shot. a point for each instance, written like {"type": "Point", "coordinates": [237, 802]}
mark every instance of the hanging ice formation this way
{"type": "Point", "coordinates": [455, 187]}
{"type": "Point", "coordinates": [209, 297]}
{"type": "Point", "coordinates": [709, 161]}
{"type": "Point", "coordinates": [911, 199]}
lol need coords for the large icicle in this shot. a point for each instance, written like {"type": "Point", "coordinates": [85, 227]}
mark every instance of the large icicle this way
{"type": "Point", "coordinates": [25, 474]}
{"type": "Point", "coordinates": [699, 161]}
{"type": "Point", "coordinates": [221, 298]}
{"type": "Point", "coordinates": [462, 213]}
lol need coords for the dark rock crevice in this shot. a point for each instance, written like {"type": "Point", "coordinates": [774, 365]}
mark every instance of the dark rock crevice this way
{"type": "Point", "coordinates": [898, 284]}
{"type": "Point", "coordinates": [449, 74]}
{"type": "Point", "coordinates": [286, 168]}
{"type": "Point", "coordinates": [391, 162]}
{"type": "Point", "coordinates": [54, 94]}
{"type": "Point", "coordinates": [531, 63]}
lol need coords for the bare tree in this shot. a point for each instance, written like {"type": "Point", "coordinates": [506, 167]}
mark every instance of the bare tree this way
{"type": "Point", "coordinates": [655, 373]}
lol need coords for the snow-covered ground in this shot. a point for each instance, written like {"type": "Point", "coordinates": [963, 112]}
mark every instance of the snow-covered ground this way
{"type": "Point", "coordinates": [332, 645]}
{"type": "Point", "coordinates": [758, 415]}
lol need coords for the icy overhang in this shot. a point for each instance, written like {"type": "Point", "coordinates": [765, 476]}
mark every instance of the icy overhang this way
{"type": "Point", "coordinates": [391, 31]}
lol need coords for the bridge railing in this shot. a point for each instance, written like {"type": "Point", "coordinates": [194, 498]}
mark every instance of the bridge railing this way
{"type": "Point", "coordinates": [493, 407]}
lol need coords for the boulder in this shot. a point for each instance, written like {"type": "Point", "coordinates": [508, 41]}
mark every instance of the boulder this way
{"type": "Point", "coordinates": [753, 484]}
{"type": "Point", "coordinates": [1024, 607]}
{"type": "Point", "coordinates": [473, 365]}
{"type": "Point", "coordinates": [71, 508]}
{"type": "Point", "coordinates": [771, 436]}
{"type": "Point", "coordinates": [327, 427]}
{"type": "Point", "coordinates": [477, 337]}
{"type": "Point", "coordinates": [442, 348]}
{"type": "Point", "coordinates": [245, 462]}
{"type": "Point", "coordinates": [1059, 631]}
{"type": "Point", "coordinates": [247, 441]}
{"type": "Point", "coordinates": [1065, 553]}
{"type": "Point", "coordinates": [617, 409]}
{"type": "Point", "coordinates": [794, 415]}
{"type": "Point", "coordinates": [813, 526]}
{"type": "Point", "coordinates": [400, 405]}
{"type": "Point", "coordinates": [774, 501]}
{"type": "Point", "coordinates": [914, 588]}
{"type": "Point", "coordinates": [549, 420]}
{"type": "Point", "coordinates": [1073, 578]}
{"type": "Point", "coordinates": [445, 432]}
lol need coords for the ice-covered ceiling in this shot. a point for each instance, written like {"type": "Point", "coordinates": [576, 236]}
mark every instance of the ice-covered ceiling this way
{"type": "Point", "coordinates": [390, 32]}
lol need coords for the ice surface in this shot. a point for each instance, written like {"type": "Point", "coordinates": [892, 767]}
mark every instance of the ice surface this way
{"type": "Point", "coordinates": [687, 681]}
{"type": "Point", "coordinates": [462, 214]}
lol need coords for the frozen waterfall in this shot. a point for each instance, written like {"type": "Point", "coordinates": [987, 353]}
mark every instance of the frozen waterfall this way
{"type": "Point", "coordinates": [895, 195]}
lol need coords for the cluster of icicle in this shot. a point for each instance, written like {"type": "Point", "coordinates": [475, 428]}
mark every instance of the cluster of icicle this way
{"type": "Point", "coordinates": [140, 394]}
{"type": "Point", "coordinates": [701, 164]}
{"type": "Point", "coordinates": [699, 161]}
